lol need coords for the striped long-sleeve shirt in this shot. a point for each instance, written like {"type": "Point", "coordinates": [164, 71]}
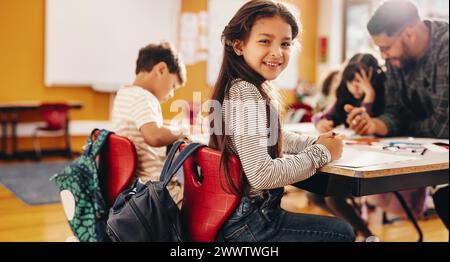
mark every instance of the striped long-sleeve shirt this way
{"type": "Point", "coordinates": [246, 121]}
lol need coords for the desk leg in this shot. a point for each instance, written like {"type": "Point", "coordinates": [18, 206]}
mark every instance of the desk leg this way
{"type": "Point", "coordinates": [15, 116]}
{"type": "Point", "coordinates": [3, 152]}
{"type": "Point", "coordinates": [409, 214]}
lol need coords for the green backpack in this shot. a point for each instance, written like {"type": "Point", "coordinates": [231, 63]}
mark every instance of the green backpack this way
{"type": "Point", "coordinates": [80, 192]}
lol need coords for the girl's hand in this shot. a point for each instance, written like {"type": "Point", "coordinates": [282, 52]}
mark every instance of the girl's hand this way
{"type": "Point", "coordinates": [362, 80]}
{"type": "Point", "coordinates": [333, 144]}
{"type": "Point", "coordinates": [324, 125]}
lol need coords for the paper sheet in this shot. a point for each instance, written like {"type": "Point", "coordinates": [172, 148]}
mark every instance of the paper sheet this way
{"type": "Point", "coordinates": [360, 158]}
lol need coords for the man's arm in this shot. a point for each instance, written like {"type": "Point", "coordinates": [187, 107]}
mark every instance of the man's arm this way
{"type": "Point", "coordinates": [380, 127]}
{"type": "Point", "coordinates": [436, 124]}
{"type": "Point", "coordinates": [159, 136]}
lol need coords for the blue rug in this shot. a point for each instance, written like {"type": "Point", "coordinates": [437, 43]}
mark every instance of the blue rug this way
{"type": "Point", "coordinates": [30, 181]}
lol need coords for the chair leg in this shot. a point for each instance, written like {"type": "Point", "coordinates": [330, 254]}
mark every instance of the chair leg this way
{"type": "Point", "coordinates": [37, 146]}
{"type": "Point", "coordinates": [68, 144]}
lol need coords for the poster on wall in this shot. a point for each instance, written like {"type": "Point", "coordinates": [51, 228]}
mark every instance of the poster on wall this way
{"type": "Point", "coordinates": [194, 37]}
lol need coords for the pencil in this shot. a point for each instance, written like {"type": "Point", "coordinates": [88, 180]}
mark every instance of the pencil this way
{"type": "Point", "coordinates": [423, 152]}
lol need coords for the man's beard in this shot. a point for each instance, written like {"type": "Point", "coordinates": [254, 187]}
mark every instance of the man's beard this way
{"type": "Point", "coordinates": [407, 61]}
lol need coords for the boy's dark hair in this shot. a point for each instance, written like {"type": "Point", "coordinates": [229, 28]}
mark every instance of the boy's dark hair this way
{"type": "Point", "coordinates": [234, 67]}
{"type": "Point", "coordinates": [359, 62]}
{"type": "Point", "coordinates": [392, 16]}
{"type": "Point", "coordinates": [153, 54]}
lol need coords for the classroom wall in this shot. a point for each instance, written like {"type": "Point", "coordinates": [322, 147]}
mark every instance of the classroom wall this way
{"type": "Point", "coordinates": [196, 74]}
{"type": "Point", "coordinates": [22, 68]}
{"type": "Point", "coordinates": [22, 64]}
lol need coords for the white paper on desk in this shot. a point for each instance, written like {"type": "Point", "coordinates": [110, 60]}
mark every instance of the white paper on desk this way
{"type": "Point", "coordinates": [359, 158]}
{"type": "Point", "coordinates": [347, 132]}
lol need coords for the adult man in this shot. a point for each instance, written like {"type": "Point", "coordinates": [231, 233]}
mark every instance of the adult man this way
{"type": "Point", "coordinates": [416, 54]}
{"type": "Point", "coordinates": [416, 102]}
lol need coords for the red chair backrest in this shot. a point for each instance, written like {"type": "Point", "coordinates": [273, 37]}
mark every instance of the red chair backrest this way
{"type": "Point", "coordinates": [206, 205]}
{"type": "Point", "coordinates": [55, 115]}
{"type": "Point", "coordinates": [117, 163]}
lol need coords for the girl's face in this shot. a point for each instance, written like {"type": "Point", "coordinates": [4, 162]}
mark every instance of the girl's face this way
{"type": "Point", "coordinates": [268, 47]}
{"type": "Point", "coordinates": [355, 89]}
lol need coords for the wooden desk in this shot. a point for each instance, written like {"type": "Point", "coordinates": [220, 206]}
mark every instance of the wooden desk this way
{"type": "Point", "coordinates": [431, 169]}
{"type": "Point", "coordinates": [9, 115]}
{"type": "Point", "coordinates": [31, 105]}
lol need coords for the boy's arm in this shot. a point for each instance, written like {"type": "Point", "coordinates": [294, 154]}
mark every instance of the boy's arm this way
{"type": "Point", "coordinates": [159, 136]}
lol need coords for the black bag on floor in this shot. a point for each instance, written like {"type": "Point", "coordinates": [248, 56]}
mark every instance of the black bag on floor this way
{"type": "Point", "coordinates": [147, 213]}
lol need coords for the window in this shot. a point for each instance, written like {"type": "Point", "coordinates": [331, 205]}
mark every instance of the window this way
{"type": "Point", "coordinates": [358, 12]}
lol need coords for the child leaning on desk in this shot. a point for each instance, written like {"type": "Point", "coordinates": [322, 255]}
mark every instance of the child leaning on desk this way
{"type": "Point", "coordinates": [361, 84]}
{"type": "Point", "coordinates": [137, 112]}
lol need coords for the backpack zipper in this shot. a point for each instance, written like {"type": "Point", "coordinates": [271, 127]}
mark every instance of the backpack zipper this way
{"type": "Point", "coordinates": [140, 217]}
{"type": "Point", "coordinates": [112, 235]}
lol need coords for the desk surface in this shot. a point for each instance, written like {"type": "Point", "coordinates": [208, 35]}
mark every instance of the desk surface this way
{"type": "Point", "coordinates": [429, 162]}
{"type": "Point", "coordinates": [430, 169]}
{"type": "Point", "coordinates": [31, 105]}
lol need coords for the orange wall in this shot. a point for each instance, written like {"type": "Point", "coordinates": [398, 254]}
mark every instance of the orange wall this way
{"type": "Point", "coordinates": [22, 62]}
{"type": "Point", "coordinates": [196, 74]}
{"type": "Point", "coordinates": [22, 65]}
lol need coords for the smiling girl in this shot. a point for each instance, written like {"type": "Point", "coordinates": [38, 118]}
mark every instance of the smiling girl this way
{"type": "Point", "coordinates": [257, 45]}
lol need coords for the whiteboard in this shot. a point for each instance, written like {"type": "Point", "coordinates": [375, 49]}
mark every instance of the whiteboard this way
{"type": "Point", "coordinates": [96, 42]}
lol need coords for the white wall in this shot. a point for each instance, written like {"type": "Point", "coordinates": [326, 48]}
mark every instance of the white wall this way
{"type": "Point", "coordinates": [331, 25]}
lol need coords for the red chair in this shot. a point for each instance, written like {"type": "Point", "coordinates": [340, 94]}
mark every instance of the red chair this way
{"type": "Point", "coordinates": [206, 205]}
{"type": "Point", "coordinates": [117, 166]}
{"type": "Point", "coordinates": [56, 117]}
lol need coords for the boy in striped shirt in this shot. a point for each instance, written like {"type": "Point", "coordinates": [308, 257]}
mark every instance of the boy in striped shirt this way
{"type": "Point", "coordinates": [137, 112]}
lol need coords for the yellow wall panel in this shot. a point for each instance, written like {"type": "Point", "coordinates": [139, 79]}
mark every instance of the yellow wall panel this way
{"type": "Point", "coordinates": [22, 63]}
{"type": "Point", "coordinates": [22, 31]}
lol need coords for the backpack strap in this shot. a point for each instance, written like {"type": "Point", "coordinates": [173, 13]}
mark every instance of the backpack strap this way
{"type": "Point", "coordinates": [178, 162]}
{"type": "Point", "coordinates": [88, 145]}
{"type": "Point", "coordinates": [170, 156]}
{"type": "Point", "coordinates": [95, 146]}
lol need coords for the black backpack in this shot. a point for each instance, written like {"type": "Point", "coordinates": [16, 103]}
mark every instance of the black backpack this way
{"type": "Point", "coordinates": [147, 213]}
{"type": "Point", "coordinates": [79, 183]}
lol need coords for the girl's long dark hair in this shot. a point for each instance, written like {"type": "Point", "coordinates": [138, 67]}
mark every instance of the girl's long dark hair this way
{"type": "Point", "coordinates": [365, 62]}
{"type": "Point", "coordinates": [234, 67]}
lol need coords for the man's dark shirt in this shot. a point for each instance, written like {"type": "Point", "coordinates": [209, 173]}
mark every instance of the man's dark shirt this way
{"type": "Point", "coordinates": [417, 95]}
